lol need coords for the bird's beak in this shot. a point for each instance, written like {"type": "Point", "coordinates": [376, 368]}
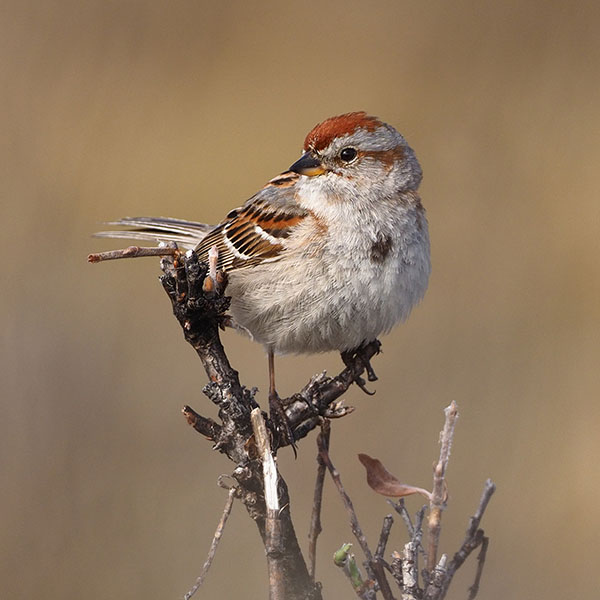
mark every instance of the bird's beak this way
{"type": "Point", "coordinates": [308, 164]}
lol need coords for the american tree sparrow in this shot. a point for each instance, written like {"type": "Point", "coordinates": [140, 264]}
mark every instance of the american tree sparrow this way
{"type": "Point", "coordinates": [328, 255]}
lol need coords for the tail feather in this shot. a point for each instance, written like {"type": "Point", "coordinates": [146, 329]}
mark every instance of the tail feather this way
{"type": "Point", "coordinates": [187, 234]}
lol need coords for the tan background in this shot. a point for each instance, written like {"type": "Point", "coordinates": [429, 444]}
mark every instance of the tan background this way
{"type": "Point", "coordinates": [185, 109]}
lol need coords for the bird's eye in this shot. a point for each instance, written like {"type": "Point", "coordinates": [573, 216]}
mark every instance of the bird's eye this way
{"type": "Point", "coordinates": [348, 154]}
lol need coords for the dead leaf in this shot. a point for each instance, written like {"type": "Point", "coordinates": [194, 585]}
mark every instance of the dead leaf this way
{"type": "Point", "coordinates": [384, 483]}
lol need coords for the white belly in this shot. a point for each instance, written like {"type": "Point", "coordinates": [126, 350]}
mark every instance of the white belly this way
{"type": "Point", "coordinates": [334, 301]}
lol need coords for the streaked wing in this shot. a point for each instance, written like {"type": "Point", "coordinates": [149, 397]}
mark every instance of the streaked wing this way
{"type": "Point", "coordinates": [257, 231]}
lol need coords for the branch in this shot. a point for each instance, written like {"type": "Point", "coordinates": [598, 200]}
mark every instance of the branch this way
{"type": "Point", "coordinates": [438, 495]}
{"type": "Point", "coordinates": [474, 538]}
{"type": "Point", "coordinates": [315, 520]}
{"type": "Point", "coordinates": [197, 294]}
{"type": "Point", "coordinates": [480, 563]}
{"type": "Point", "coordinates": [317, 399]}
{"type": "Point", "coordinates": [388, 521]}
{"type": "Point", "coordinates": [374, 568]}
{"type": "Point", "coordinates": [356, 529]}
{"type": "Point", "coordinates": [437, 579]}
{"type": "Point", "coordinates": [132, 252]}
{"type": "Point", "coordinates": [400, 508]}
{"type": "Point", "coordinates": [204, 425]}
{"type": "Point", "coordinates": [273, 533]}
{"type": "Point", "coordinates": [199, 304]}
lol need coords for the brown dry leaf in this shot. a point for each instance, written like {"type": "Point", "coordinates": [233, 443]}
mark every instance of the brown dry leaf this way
{"type": "Point", "coordinates": [384, 483]}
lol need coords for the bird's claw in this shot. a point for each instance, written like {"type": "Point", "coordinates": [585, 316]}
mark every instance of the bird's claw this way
{"type": "Point", "coordinates": [351, 358]}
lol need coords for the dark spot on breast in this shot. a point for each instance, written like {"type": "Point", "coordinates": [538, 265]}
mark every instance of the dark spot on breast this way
{"type": "Point", "coordinates": [381, 248]}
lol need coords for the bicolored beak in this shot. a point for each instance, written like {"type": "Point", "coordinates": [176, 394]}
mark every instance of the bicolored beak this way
{"type": "Point", "coordinates": [308, 164]}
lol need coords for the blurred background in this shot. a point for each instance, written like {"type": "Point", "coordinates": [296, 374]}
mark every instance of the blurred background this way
{"type": "Point", "coordinates": [185, 109]}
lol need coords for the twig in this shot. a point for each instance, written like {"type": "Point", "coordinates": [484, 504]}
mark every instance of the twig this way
{"type": "Point", "coordinates": [204, 425]}
{"type": "Point", "coordinates": [356, 530]}
{"type": "Point", "coordinates": [488, 489]}
{"type": "Point", "coordinates": [437, 580]}
{"type": "Point", "coordinates": [315, 520]}
{"type": "Point", "coordinates": [374, 568]}
{"type": "Point", "coordinates": [132, 252]}
{"type": "Point", "coordinates": [480, 563]}
{"type": "Point", "coordinates": [388, 521]}
{"type": "Point", "coordinates": [474, 538]}
{"type": "Point", "coordinates": [438, 495]}
{"type": "Point", "coordinates": [214, 544]}
{"type": "Point", "coordinates": [384, 586]}
{"type": "Point", "coordinates": [378, 561]}
{"type": "Point", "coordinates": [400, 508]}
{"type": "Point", "coordinates": [418, 531]}
{"type": "Point", "coordinates": [305, 409]}
{"type": "Point", "coordinates": [273, 533]}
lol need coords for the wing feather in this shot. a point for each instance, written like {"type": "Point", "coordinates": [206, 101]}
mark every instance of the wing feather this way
{"type": "Point", "coordinates": [187, 234]}
{"type": "Point", "coordinates": [256, 232]}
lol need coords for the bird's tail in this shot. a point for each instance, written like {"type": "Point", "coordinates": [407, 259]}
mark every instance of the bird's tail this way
{"type": "Point", "coordinates": [187, 234]}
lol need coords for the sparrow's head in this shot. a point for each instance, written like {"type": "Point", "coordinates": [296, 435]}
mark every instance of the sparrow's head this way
{"type": "Point", "coordinates": [359, 148]}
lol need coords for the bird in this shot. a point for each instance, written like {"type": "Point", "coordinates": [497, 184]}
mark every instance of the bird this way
{"type": "Point", "coordinates": [328, 255]}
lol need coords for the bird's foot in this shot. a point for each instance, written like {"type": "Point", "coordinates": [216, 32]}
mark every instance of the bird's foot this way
{"type": "Point", "coordinates": [280, 425]}
{"type": "Point", "coordinates": [359, 360]}
{"type": "Point", "coordinates": [196, 293]}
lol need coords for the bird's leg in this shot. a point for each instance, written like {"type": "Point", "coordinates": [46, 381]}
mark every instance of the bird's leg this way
{"type": "Point", "coordinates": [272, 390]}
{"type": "Point", "coordinates": [277, 414]}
